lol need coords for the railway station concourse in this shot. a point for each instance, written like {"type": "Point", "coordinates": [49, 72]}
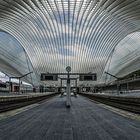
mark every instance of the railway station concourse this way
{"type": "Point", "coordinates": [69, 69]}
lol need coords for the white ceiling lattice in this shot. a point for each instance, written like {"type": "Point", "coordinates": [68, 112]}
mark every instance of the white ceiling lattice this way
{"type": "Point", "coordinates": [79, 33]}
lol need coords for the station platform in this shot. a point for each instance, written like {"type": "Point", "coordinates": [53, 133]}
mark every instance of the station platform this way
{"type": "Point", "coordinates": [135, 93]}
{"type": "Point", "coordinates": [85, 120]}
{"type": "Point", "coordinates": [2, 94]}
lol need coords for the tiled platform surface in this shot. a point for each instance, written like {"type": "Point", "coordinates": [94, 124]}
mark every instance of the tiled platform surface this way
{"type": "Point", "coordinates": [85, 120]}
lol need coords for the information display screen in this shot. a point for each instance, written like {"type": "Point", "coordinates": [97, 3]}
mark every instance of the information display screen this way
{"type": "Point", "coordinates": [88, 77]}
{"type": "Point", "coordinates": [49, 77]}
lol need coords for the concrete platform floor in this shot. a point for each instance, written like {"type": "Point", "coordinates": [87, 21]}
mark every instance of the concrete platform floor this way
{"type": "Point", "coordinates": [85, 120]}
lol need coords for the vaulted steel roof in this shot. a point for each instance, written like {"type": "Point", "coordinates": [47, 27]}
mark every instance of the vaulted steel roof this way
{"type": "Point", "coordinates": [78, 33]}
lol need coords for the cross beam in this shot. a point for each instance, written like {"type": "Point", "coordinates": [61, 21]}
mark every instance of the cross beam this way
{"type": "Point", "coordinates": [69, 73]}
{"type": "Point", "coordinates": [112, 75]}
{"type": "Point", "coordinates": [19, 79]}
{"type": "Point", "coordinates": [69, 78]}
{"type": "Point", "coordinates": [22, 75]}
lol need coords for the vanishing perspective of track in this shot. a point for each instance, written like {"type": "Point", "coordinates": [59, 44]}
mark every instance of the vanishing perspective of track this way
{"type": "Point", "coordinates": [10, 103]}
{"type": "Point", "coordinates": [131, 104]}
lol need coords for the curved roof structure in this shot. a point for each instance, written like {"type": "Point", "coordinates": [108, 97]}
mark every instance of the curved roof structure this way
{"type": "Point", "coordinates": [80, 33]}
{"type": "Point", "coordinates": [126, 55]}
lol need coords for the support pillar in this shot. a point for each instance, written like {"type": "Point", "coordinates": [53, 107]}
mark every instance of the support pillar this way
{"type": "Point", "coordinates": [76, 83]}
{"type": "Point", "coordinates": [61, 83]}
{"type": "Point", "coordinates": [68, 90]}
{"type": "Point", "coordinates": [61, 88]}
{"type": "Point", "coordinates": [127, 88]}
{"type": "Point", "coordinates": [76, 88]}
{"type": "Point", "coordinates": [19, 85]}
{"type": "Point", "coordinates": [118, 88]}
{"type": "Point", "coordinates": [10, 85]}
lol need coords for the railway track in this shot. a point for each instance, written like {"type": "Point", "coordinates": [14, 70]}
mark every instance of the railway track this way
{"type": "Point", "coordinates": [125, 103]}
{"type": "Point", "coordinates": [11, 103]}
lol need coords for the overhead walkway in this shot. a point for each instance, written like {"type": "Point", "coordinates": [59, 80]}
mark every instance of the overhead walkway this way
{"type": "Point", "coordinates": [85, 120]}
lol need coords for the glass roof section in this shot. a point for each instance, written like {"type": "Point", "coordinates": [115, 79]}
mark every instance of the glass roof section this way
{"type": "Point", "coordinates": [13, 59]}
{"type": "Point", "coordinates": [126, 56]}
{"type": "Point", "coordinates": [80, 33]}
